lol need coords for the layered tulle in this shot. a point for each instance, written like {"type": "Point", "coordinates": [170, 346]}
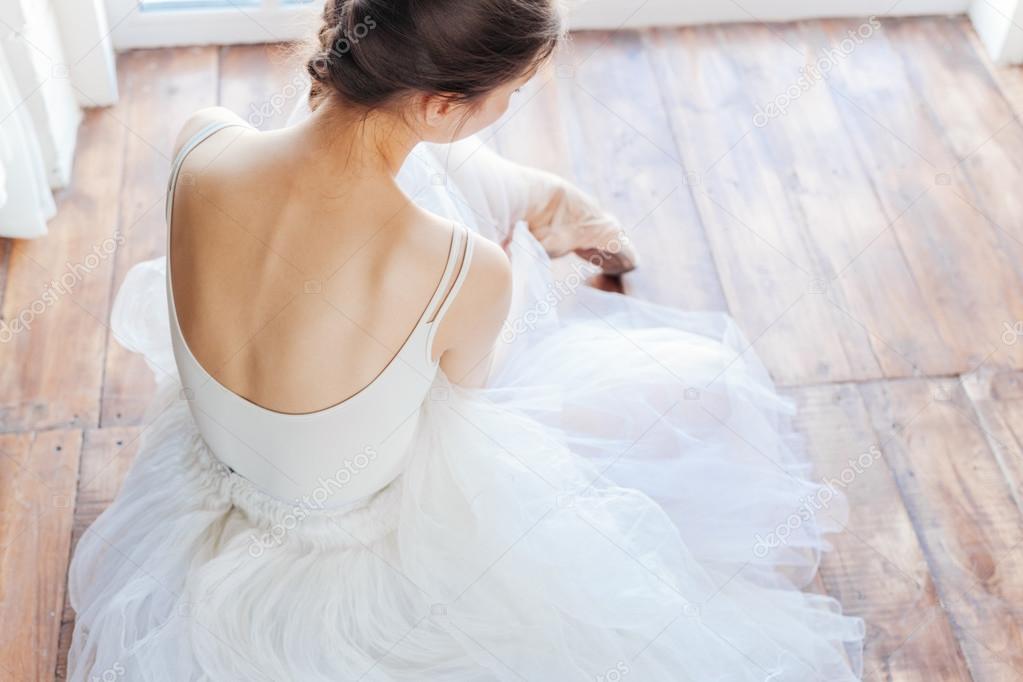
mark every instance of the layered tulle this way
{"type": "Point", "coordinates": [625, 500]}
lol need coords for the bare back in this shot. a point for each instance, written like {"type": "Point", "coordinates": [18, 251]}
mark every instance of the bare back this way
{"type": "Point", "coordinates": [296, 290]}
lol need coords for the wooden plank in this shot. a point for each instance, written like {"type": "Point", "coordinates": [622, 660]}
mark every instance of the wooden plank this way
{"type": "Point", "coordinates": [997, 398]}
{"type": "Point", "coordinates": [107, 456]}
{"type": "Point", "coordinates": [962, 509]}
{"type": "Point", "coordinates": [1010, 80]}
{"type": "Point", "coordinates": [953, 71]}
{"type": "Point", "coordinates": [58, 290]}
{"type": "Point", "coordinates": [627, 156]}
{"type": "Point", "coordinates": [985, 137]}
{"type": "Point", "coordinates": [38, 472]}
{"type": "Point", "coordinates": [873, 278]}
{"type": "Point", "coordinates": [877, 569]}
{"type": "Point", "coordinates": [161, 89]}
{"type": "Point", "coordinates": [907, 149]}
{"type": "Point", "coordinates": [5, 257]}
{"type": "Point", "coordinates": [751, 198]}
{"type": "Point", "coordinates": [262, 83]}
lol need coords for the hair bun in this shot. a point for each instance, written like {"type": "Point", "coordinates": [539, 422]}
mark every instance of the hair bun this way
{"type": "Point", "coordinates": [371, 52]}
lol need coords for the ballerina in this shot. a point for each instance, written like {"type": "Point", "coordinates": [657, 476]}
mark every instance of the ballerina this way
{"type": "Point", "coordinates": [381, 450]}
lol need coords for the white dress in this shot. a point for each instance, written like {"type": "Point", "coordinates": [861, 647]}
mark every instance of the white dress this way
{"type": "Point", "coordinates": [624, 501]}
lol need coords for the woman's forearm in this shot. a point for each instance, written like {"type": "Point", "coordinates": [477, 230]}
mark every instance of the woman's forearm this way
{"type": "Point", "coordinates": [503, 191]}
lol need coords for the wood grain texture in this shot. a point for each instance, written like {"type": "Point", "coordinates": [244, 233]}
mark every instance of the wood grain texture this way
{"type": "Point", "coordinates": [5, 258]}
{"type": "Point", "coordinates": [968, 524]}
{"type": "Point", "coordinates": [749, 196]}
{"type": "Point", "coordinates": [841, 185]}
{"type": "Point", "coordinates": [997, 399]}
{"type": "Point", "coordinates": [906, 268]}
{"type": "Point", "coordinates": [982, 147]}
{"type": "Point", "coordinates": [161, 89]}
{"type": "Point", "coordinates": [262, 83]}
{"type": "Point", "coordinates": [1010, 79]}
{"type": "Point", "coordinates": [877, 570]}
{"type": "Point", "coordinates": [57, 294]}
{"type": "Point", "coordinates": [38, 472]}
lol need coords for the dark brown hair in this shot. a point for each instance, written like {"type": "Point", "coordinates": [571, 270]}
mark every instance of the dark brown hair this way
{"type": "Point", "coordinates": [372, 52]}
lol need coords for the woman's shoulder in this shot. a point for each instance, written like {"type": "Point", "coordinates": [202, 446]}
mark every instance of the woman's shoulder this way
{"type": "Point", "coordinates": [487, 284]}
{"type": "Point", "coordinates": [489, 270]}
{"type": "Point", "coordinates": [465, 338]}
{"type": "Point", "coordinates": [201, 119]}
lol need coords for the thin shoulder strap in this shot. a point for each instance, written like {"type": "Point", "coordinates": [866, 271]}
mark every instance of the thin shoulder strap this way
{"type": "Point", "coordinates": [449, 290]}
{"type": "Point", "coordinates": [183, 153]}
{"type": "Point", "coordinates": [455, 250]}
{"type": "Point", "coordinates": [463, 270]}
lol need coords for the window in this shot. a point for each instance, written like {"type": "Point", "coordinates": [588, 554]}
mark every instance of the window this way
{"type": "Point", "coordinates": [155, 23]}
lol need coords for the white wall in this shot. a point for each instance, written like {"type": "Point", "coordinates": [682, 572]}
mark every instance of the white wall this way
{"type": "Point", "coordinates": [602, 14]}
{"type": "Point", "coordinates": [85, 38]}
{"type": "Point", "coordinates": [135, 28]}
{"type": "Point", "coordinates": [999, 23]}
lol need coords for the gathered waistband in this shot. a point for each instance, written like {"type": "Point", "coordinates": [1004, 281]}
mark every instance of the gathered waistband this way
{"type": "Point", "coordinates": [357, 523]}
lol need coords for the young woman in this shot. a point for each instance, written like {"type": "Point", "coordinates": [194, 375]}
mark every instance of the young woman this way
{"type": "Point", "coordinates": [382, 451]}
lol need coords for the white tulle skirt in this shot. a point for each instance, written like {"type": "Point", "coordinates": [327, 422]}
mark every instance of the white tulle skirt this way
{"type": "Point", "coordinates": [624, 501]}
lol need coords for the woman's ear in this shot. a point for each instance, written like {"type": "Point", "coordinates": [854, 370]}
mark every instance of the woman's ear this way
{"type": "Point", "coordinates": [437, 111]}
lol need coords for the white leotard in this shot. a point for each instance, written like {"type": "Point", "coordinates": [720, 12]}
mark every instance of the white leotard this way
{"type": "Point", "coordinates": [337, 455]}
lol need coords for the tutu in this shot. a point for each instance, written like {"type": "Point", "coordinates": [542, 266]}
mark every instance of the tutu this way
{"type": "Point", "coordinates": [624, 500]}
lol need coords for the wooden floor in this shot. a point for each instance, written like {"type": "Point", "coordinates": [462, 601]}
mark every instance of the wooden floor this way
{"type": "Point", "coordinates": [868, 239]}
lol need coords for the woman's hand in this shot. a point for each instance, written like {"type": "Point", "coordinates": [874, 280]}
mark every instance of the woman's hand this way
{"type": "Point", "coordinates": [565, 219]}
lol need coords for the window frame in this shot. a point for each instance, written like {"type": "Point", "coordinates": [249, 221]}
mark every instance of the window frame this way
{"type": "Point", "coordinates": [263, 21]}
{"type": "Point", "coordinates": [236, 22]}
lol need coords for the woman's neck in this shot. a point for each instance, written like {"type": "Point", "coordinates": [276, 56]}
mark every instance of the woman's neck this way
{"type": "Point", "coordinates": [340, 141]}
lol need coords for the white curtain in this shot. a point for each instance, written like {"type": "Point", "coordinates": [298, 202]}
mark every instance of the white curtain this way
{"type": "Point", "coordinates": [55, 57]}
{"type": "Point", "coordinates": [26, 202]}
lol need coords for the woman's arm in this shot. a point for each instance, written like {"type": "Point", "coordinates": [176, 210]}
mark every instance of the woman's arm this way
{"type": "Point", "coordinates": [562, 217]}
{"type": "Point", "coordinates": [467, 336]}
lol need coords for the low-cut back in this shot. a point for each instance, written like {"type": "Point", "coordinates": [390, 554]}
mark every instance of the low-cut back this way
{"type": "Point", "coordinates": [289, 455]}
